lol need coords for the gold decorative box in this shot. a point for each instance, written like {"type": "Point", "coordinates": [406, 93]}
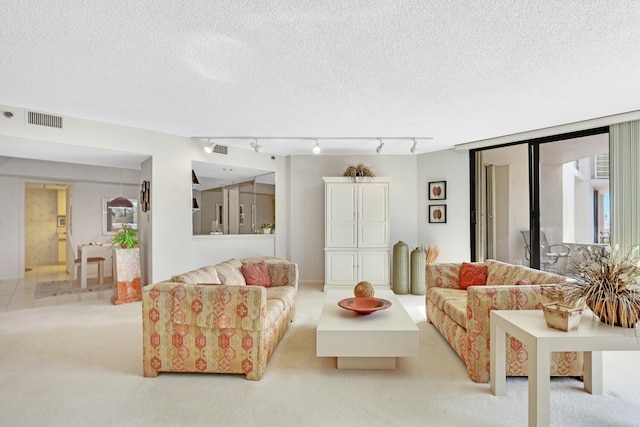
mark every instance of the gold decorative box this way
{"type": "Point", "coordinates": [562, 317]}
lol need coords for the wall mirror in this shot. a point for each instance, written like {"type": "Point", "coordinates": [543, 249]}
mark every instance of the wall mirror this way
{"type": "Point", "coordinates": [232, 200]}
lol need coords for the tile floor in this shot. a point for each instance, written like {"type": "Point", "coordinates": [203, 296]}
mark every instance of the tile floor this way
{"type": "Point", "coordinates": [17, 294]}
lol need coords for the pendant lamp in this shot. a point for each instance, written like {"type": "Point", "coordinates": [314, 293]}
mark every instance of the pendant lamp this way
{"type": "Point", "coordinates": [120, 202]}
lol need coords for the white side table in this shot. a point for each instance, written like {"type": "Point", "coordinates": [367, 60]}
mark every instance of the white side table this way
{"type": "Point", "coordinates": [529, 326]}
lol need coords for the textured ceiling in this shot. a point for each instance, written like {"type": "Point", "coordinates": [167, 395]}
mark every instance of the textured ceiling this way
{"type": "Point", "coordinates": [457, 71]}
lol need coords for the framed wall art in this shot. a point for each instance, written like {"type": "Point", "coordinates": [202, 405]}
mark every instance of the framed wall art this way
{"type": "Point", "coordinates": [438, 190]}
{"type": "Point", "coordinates": [145, 195]}
{"type": "Point", "coordinates": [438, 214]}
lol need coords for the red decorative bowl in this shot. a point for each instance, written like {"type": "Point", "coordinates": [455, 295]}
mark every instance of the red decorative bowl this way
{"type": "Point", "coordinates": [364, 305]}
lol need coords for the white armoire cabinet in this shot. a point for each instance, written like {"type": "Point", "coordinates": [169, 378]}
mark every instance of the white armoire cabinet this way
{"type": "Point", "coordinates": [356, 232]}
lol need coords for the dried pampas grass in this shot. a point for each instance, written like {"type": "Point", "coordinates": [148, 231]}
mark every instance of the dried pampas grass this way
{"type": "Point", "coordinates": [359, 170]}
{"type": "Point", "coordinates": [431, 252]}
{"type": "Point", "coordinates": [607, 281]}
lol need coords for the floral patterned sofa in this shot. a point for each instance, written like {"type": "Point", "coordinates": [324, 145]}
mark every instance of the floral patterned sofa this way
{"type": "Point", "coordinates": [212, 320]}
{"type": "Point", "coordinates": [462, 316]}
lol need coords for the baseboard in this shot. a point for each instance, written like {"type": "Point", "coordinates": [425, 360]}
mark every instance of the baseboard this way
{"type": "Point", "coordinates": [311, 283]}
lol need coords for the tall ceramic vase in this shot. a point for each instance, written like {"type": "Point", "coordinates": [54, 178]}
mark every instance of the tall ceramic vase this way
{"type": "Point", "coordinates": [418, 271]}
{"type": "Point", "coordinates": [401, 268]}
{"type": "Point", "coordinates": [127, 276]}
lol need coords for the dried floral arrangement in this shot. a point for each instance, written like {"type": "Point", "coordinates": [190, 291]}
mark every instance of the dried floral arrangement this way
{"type": "Point", "coordinates": [431, 253]}
{"type": "Point", "coordinates": [359, 170]}
{"type": "Point", "coordinates": [608, 282]}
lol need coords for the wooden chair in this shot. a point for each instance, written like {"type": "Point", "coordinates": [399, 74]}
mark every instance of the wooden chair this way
{"type": "Point", "coordinates": [77, 261]}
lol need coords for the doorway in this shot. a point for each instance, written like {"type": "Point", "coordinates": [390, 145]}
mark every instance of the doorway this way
{"type": "Point", "coordinates": [45, 224]}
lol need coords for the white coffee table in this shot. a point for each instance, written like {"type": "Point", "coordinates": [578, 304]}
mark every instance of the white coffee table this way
{"type": "Point", "coordinates": [371, 341]}
{"type": "Point", "coordinates": [530, 328]}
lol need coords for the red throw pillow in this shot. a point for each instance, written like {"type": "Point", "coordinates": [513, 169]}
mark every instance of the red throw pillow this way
{"type": "Point", "coordinates": [256, 274]}
{"type": "Point", "coordinates": [473, 275]}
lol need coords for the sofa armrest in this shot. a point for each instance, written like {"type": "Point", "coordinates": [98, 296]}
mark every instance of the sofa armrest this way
{"type": "Point", "coordinates": [207, 306]}
{"type": "Point", "coordinates": [481, 300]}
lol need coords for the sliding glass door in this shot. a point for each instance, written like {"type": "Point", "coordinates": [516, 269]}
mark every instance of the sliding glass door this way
{"type": "Point", "coordinates": [502, 201]}
{"type": "Point", "coordinates": [534, 202]}
{"type": "Point", "coordinates": [574, 196]}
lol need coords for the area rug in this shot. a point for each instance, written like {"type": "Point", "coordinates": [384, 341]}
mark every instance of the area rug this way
{"type": "Point", "coordinates": [62, 287]}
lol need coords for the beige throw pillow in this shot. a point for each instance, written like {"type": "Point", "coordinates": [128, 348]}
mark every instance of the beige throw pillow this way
{"type": "Point", "coordinates": [230, 272]}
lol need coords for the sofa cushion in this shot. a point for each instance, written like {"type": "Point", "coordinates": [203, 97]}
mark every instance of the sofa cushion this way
{"type": "Point", "coordinates": [473, 274]}
{"type": "Point", "coordinates": [456, 309]}
{"type": "Point", "coordinates": [208, 275]}
{"type": "Point", "coordinates": [274, 311]}
{"type": "Point", "coordinates": [286, 294]}
{"type": "Point", "coordinates": [443, 275]}
{"type": "Point", "coordinates": [451, 301]}
{"type": "Point", "coordinates": [256, 274]}
{"type": "Point", "coordinates": [229, 272]}
{"type": "Point", "coordinates": [219, 306]}
{"type": "Point", "coordinates": [501, 273]}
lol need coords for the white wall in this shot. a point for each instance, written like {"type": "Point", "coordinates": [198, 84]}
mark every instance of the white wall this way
{"type": "Point", "coordinates": [299, 198]}
{"type": "Point", "coordinates": [12, 228]}
{"type": "Point", "coordinates": [86, 212]}
{"type": "Point", "coordinates": [306, 203]}
{"type": "Point", "coordinates": [172, 247]}
{"type": "Point", "coordinates": [453, 238]}
{"type": "Point", "coordinates": [144, 225]}
{"type": "Point", "coordinates": [86, 208]}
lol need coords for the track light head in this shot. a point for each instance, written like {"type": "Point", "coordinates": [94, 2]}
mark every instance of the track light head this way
{"type": "Point", "coordinates": [316, 148]}
{"type": "Point", "coordinates": [415, 147]}
{"type": "Point", "coordinates": [209, 147]}
{"type": "Point", "coordinates": [257, 147]}
{"type": "Point", "coordinates": [380, 147]}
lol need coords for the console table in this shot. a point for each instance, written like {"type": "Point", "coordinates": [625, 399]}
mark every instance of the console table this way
{"type": "Point", "coordinates": [529, 326]}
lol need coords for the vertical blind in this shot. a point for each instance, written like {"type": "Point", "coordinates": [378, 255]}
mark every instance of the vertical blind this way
{"type": "Point", "coordinates": [624, 150]}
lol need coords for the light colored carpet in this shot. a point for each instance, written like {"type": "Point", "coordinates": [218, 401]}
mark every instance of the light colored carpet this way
{"type": "Point", "coordinates": [80, 364]}
{"type": "Point", "coordinates": [62, 287]}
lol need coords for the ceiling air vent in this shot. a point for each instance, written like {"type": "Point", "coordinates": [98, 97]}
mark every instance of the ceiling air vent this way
{"type": "Point", "coordinates": [43, 119]}
{"type": "Point", "coordinates": [220, 149]}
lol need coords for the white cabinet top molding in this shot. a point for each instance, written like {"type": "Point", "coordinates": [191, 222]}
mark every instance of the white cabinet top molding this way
{"type": "Point", "coordinates": [359, 180]}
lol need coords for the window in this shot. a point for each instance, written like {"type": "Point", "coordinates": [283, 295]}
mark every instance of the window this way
{"type": "Point", "coordinates": [113, 219]}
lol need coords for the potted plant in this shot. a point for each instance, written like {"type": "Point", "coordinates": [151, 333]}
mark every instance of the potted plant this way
{"type": "Point", "coordinates": [608, 282]}
{"type": "Point", "coordinates": [125, 238]}
{"type": "Point", "coordinates": [126, 259]}
{"type": "Point", "coordinates": [266, 227]}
